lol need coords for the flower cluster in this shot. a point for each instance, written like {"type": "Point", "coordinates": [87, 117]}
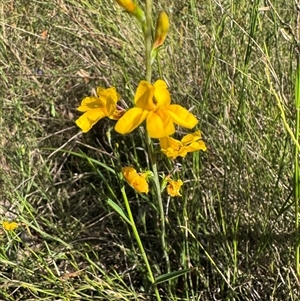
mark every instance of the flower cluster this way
{"type": "Point", "coordinates": [152, 107]}
{"type": "Point", "coordinates": [152, 104]}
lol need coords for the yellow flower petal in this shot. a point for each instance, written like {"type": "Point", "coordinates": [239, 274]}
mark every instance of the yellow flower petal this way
{"type": "Point", "coordinates": [90, 118]}
{"type": "Point", "coordinates": [144, 96]}
{"type": "Point", "coordinates": [172, 148]}
{"type": "Point", "coordinates": [110, 108]}
{"type": "Point", "coordinates": [153, 102]}
{"type": "Point", "coordinates": [164, 142]}
{"type": "Point", "coordinates": [192, 143]}
{"type": "Point", "coordinates": [117, 114]}
{"type": "Point", "coordinates": [161, 94]}
{"type": "Point", "coordinates": [131, 120]}
{"type": "Point", "coordinates": [152, 97]}
{"type": "Point", "coordinates": [182, 116]}
{"type": "Point", "coordinates": [173, 154]}
{"type": "Point", "coordinates": [195, 146]}
{"type": "Point", "coordinates": [140, 184]}
{"type": "Point", "coordinates": [95, 108]}
{"type": "Point", "coordinates": [9, 226]}
{"type": "Point", "coordinates": [169, 142]}
{"type": "Point", "coordinates": [173, 187]}
{"type": "Point", "coordinates": [159, 124]}
{"type": "Point", "coordinates": [136, 181]}
{"type": "Point", "coordinates": [187, 139]}
{"type": "Point", "coordinates": [129, 173]}
{"type": "Point", "coordinates": [109, 93]}
{"type": "Point", "coordinates": [90, 103]}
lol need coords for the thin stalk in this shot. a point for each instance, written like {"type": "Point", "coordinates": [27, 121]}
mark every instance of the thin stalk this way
{"type": "Point", "coordinates": [148, 44]}
{"type": "Point", "coordinates": [139, 242]}
{"type": "Point", "coordinates": [235, 252]}
{"type": "Point", "coordinates": [159, 202]}
{"type": "Point", "coordinates": [148, 39]}
{"type": "Point", "coordinates": [296, 169]}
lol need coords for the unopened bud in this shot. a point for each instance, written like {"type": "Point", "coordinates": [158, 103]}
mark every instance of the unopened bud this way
{"type": "Point", "coordinates": [162, 28]}
{"type": "Point", "coordinates": [129, 5]}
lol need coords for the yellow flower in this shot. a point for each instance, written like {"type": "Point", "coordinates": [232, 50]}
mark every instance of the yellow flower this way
{"type": "Point", "coordinates": [173, 187]}
{"type": "Point", "coordinates": [136, 180]}
{"type": "Point", "coordinates": [162, 28]}
{"type": "Point", "coordinates": [9, 226]}
{"type": "Point", "coordinates": [173, 148]}
{"type": "Point", "coordinates": [129, 5]}
{"type": "Point", "coordinates": [153, 104]}
{"type": "Point", "coordinates": [97, 107]}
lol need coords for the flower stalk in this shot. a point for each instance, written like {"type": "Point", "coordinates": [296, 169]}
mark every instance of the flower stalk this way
{"type": "Point", "coordinates": [296, 171]}
{"type": "Point", "coordinates": [148, 39]}
{"type": "Point", "coordinates": [139, 242]}
{"type": "Point", "coordinates": [148, 44]}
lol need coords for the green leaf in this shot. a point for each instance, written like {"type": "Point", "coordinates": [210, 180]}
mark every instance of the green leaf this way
{"type": "Point", "coordinates": [172, 275]}
{"type": "Point", "coordinates": [119, 210]}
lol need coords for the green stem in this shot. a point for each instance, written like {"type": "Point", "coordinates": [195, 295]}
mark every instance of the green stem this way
{"type": "Point", "coordinates": [296, 170]}
{"type": "Point", "coordinates": [148, 44]}
{"type": "Point", "coordinates": [139, 242]}
{"type": "Point", "coordinates": [159, 202]}
{"type": "Point", "coordinates": [148, 39]}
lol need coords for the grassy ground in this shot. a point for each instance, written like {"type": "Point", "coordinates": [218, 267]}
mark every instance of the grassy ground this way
{"type": "Point", "coordinates": [235, 222]}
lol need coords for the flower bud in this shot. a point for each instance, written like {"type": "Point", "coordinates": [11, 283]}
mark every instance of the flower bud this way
{"type": "Point", "coordinates": [138, 181]}
{"type": "Point", "coordinates": [162, 28]}
{"type": "Point", "coordinates": [129, 5]}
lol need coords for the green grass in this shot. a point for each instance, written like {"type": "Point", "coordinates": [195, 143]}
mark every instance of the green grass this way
{"type": "Point", "coordinates": [234, 225]}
